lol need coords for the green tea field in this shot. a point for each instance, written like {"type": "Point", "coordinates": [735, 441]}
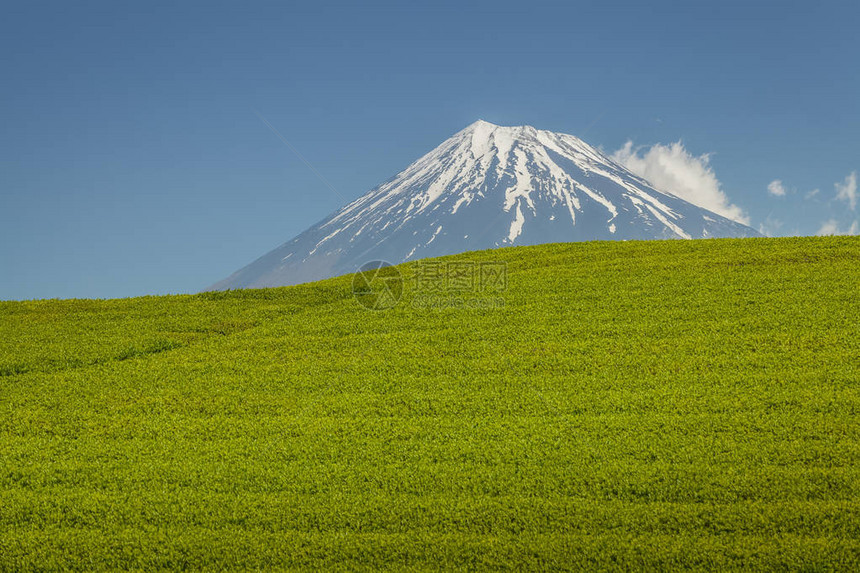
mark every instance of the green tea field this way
{"type": "Point", "coordinates": [602, 406]}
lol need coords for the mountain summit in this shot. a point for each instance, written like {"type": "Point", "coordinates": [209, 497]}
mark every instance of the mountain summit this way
{"type": "Point", "coordinates": [487, 186]}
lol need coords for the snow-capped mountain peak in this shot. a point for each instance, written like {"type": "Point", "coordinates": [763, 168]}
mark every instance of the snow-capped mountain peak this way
{"type": "Point", "coordinates": [487, 186]}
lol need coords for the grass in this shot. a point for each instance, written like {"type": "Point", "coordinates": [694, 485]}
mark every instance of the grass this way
{"type": "Point", "coordinates": [649, 405]}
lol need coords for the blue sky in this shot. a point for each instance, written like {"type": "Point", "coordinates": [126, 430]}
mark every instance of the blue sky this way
{"type": "Point", "coordinates": [132, 162]}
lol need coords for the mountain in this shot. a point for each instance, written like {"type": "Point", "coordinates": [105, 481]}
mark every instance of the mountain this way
{"type": "Point", "coordinates": [487, 186]}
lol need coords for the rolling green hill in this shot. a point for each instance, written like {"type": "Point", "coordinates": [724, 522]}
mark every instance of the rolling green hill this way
{"type": "Point", "coordinates": [609, 406]}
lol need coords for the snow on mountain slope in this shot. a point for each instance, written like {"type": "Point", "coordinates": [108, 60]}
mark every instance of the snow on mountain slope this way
{"type": "Point", "coordinates": [487, 186]}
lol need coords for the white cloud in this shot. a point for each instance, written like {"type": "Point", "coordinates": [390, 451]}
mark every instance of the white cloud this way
{"type": "Point", "coordinates": [813, 193]}
{"type": "Point", "coordinates": [672, 169]}
{"type": "Point", "coordinates": [776, 188]}
{"type": "Point", "coordinates": [770, 227]}
{"type": "Point", "coordinates": [831, 227]}
{"type": "Point", "coordinates": [847, 190]}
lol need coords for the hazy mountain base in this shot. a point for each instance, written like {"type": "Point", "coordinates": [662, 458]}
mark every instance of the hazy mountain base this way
{"type": "Point", "coordinates": [663, 405]}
